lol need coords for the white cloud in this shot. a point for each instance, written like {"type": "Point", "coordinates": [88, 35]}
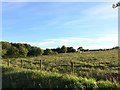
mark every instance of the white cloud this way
{"type": "Point", "coordinates": [107, 41]}
{"type": "Point", "coordinates": [42, 43]}
{"type": "Point", "coordinates": [100, 12]}
{"type": "Point", "coordinates": [101, 9]}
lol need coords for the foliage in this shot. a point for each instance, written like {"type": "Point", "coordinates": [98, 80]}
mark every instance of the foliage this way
{"type": "Point", "coordinates": [12, 52]}
{"type": "Point", "coordinates": [63, 49]}
{"type": "Point", "coordinates": [92, 69]}
{"type": "Point", "coordinates": [23, 78]}
{"type": "Point", "coordinates": [26, 50]}
{"type": "Point", "coordinates": [80, 49]}
{"type": "Point", "coordinates": [47, 52]}
{"type": "Point", "coordinates": [22, 51]}
{"type": "Point", "coordinates": [71, 50]}
{"type": "Point", "coordinates": [34, 51]}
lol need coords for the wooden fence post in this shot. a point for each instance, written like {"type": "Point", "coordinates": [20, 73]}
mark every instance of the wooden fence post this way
{"type": "Point", "coordinates": [9, 62]}
{"type": "Point", "coordinates": [40, 64]}
{"type": "Point", "coordinates": [21, 63]}
{"type": "Point", "coordinates": [72, 67]}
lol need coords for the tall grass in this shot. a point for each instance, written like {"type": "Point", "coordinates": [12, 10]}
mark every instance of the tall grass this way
{"type": "Point", "coordinates": [101, 68]}
{"type": "Point", "coordinates": [24, 78]}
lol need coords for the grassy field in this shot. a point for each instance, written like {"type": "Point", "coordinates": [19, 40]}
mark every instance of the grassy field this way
{"type": "Point", "coordinates": [91, 70]}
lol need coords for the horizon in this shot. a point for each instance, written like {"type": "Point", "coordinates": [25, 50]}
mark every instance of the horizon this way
{"type": "Point", "coordinates": [61, 46]}
{"type": "Point", "coordinates": [91, 25]}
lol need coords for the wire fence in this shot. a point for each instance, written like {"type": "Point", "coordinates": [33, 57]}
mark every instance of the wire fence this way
{"type": "Point", "coordinates": [40, 64]}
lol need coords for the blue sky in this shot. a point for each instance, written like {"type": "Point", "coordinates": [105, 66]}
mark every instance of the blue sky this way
{"type": "Point", "coordinates": [49, 24]}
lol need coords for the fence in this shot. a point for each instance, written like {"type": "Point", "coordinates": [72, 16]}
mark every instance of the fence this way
{"type": "Point", "coordinates": [39, 62]}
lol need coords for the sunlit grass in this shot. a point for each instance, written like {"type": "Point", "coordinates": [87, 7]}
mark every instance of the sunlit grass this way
{"type": "Point", "coordinates": [100, 65]}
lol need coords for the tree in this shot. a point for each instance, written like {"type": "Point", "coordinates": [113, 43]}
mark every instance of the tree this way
{"type": "Point", "coordinates": [70, 49]}
{"type": "Point", "coordinates": [39, 51]}
{"type": "Point", "coordinates": [6, 45]}
{"type": "Point", "coordinates": [12, 52]}
{"type": "Point", "coordinates": [3, 52]}
{"type": "Point", "coordinates": [58, 50]}
{"type": "Point", "coordinates": [63, 49]}
{"type": "Point", "coordinates": [117, 47]}
{"type": "Point", "coordinates": [85, 50]}
{"type": "Point", "coordinates": [54, 51]}
{"type": "Point", "coordinates": [22, 51]}
{"type": "Point", "coordinates": [27, 46]}
{"type": "Point", "coordinates": [80, 49]}
{"type": "Point", "coordinates": [47, 52]}
{"type": "Point", "coordinates": [1, 49]}
{"type": "Point", "coordinates": [35, 51]}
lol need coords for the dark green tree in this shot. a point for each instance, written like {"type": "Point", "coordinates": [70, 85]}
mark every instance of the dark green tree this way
{"type": "Point", "coordinates": [6, 45]}
{"type": "Point", "coordinates": [12, 52]}
{"type": "Point", "coordinates": [70, 50]}
{"type": "Point", "coordinates": [58, 50]}
{"type": "Point", "coordinates": [63, 49]}
{"type": "Point", "coordinates": [5, 48]}
{"type": "Point", "coordinates": [54, 51]}
{"type": "Point", "coordinates": [35, 51]}
{"type": "Point", "coordinates": [48, 52]}
{"type": "Point", "coordinates": [1, 49]}
{"type": "Point", "coordinates": [27, 46]}
{"type": "Point", "coordinates": [3, 52]}
{"type": "Point", "coordinates": [80, 49]}
{"type": "Point", "coordinates": [18, 45]}
{"type": "Point", "coordinates": [22, 51]}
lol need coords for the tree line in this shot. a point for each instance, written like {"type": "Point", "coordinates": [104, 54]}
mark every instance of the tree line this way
{"type": "Point", "coordinates": [10, 50]}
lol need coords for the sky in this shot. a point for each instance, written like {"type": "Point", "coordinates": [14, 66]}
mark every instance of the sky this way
{"type": "Point", "coordinates": [59, 0]}
{"type": "Point", "coordinates": [92, 25]}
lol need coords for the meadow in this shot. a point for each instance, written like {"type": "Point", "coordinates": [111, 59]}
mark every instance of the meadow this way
{"type": "Point", "coordinates": [95, 69]}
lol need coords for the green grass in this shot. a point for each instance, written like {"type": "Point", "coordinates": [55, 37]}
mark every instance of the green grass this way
{"type": "Point", "coordinates": [99, 67]}
{"type": "Point", "coordinates": [24, 78]}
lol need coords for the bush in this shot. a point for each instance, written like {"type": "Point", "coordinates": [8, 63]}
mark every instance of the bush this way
{"type": "Point", "coordinates": [26, 78]}
{"type": "Point", "coordinates": [108, 85]}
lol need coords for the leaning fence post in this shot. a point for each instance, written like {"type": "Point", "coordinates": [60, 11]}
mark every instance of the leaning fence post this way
{"type": "Point", "coordinates": [21, 63]}
{"type": "Point", "coordinates": [72, 67]}
{"type": "Point", "coordinates": [40, 64]}
{"type": "Point", "coordinates": [9, 62]}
